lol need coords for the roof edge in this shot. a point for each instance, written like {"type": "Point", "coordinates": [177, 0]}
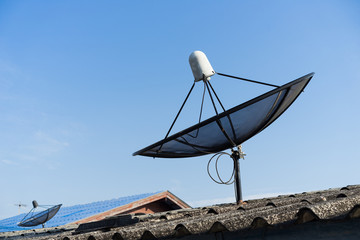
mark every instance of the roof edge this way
{"type": "Point", "coordinates": [133, 205]}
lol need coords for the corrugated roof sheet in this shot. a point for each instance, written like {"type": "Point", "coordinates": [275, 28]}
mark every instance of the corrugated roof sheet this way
{"type": "Point", "coordinates": [334, 207]}
{"type": "Point", "coordinates": [73, 213]}
{"type": "Point", "coordinates": [334, 213]}
{"type": "Point", "coordinates": [287, 210]}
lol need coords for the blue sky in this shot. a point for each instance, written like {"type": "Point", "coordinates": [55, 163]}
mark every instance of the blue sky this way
{"type": "Point", "coordinates": [84, 84]}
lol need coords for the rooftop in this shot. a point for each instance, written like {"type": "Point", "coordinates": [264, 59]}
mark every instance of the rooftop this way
{"type": "Point", "coordinates": [333, 211]}
{"type": "Point", "coordinates": [74, 213]}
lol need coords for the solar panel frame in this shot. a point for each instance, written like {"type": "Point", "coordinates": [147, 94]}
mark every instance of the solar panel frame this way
{"type": "Point", "coordinates": [216, 118]}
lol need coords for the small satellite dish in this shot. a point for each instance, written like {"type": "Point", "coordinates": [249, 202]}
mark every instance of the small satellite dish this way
{"type": "Point", "coordinates": [230, 128]}
{"type": "Point", "coordinates": [34, 218]}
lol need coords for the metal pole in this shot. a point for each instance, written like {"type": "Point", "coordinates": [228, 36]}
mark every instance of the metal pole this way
{"type": "Point", "coordinates": [248, 80]}
{"type": "Point", "coordinates": [238, 194]}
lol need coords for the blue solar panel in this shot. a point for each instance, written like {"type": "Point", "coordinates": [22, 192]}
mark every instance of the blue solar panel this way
{"type": "Point", "coordinates": [73, 213]}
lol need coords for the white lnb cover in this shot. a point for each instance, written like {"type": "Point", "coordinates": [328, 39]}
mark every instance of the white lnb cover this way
{"type": "Point", "coordinates": [200, 66]}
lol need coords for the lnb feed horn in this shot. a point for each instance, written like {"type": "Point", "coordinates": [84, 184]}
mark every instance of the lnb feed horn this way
{"type": "Point", "coordinates": [200, 66]}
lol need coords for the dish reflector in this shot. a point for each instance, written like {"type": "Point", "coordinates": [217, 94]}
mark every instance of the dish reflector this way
{"type": "Point", "coordinates": [39, 218]}
{"type": "Point", "coordinates": [247, 119]}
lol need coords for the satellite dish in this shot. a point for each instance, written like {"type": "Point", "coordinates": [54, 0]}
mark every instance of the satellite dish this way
{"type": "Point", "coordinates": [41, 217]}
{"type": "Point", "coordinates": [230, 128]}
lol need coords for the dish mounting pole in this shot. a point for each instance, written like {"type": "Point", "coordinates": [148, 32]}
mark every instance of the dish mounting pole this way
{"type": "Point", "coordinates": [236, 156]}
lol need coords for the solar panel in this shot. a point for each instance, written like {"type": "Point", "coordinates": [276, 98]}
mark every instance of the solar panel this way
{"type": "Point", "coordinates": [238, 123]}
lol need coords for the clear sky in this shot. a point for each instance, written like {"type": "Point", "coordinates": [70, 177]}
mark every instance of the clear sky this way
{"type": "Point", "coordinates": [84, 84]}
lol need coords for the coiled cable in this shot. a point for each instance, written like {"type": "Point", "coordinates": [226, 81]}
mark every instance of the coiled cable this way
{"type": "Point", "coordinates": [220, 181]}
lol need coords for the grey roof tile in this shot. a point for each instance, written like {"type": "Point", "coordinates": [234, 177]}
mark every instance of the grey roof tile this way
{"type": "Point", "coordinates": [286, 211]}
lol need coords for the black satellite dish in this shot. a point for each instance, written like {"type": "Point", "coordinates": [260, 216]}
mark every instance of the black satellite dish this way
{"type": "Point", "coordinates": [36, 218]}
{"type": "Point", "coordinates": [230, 128]}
